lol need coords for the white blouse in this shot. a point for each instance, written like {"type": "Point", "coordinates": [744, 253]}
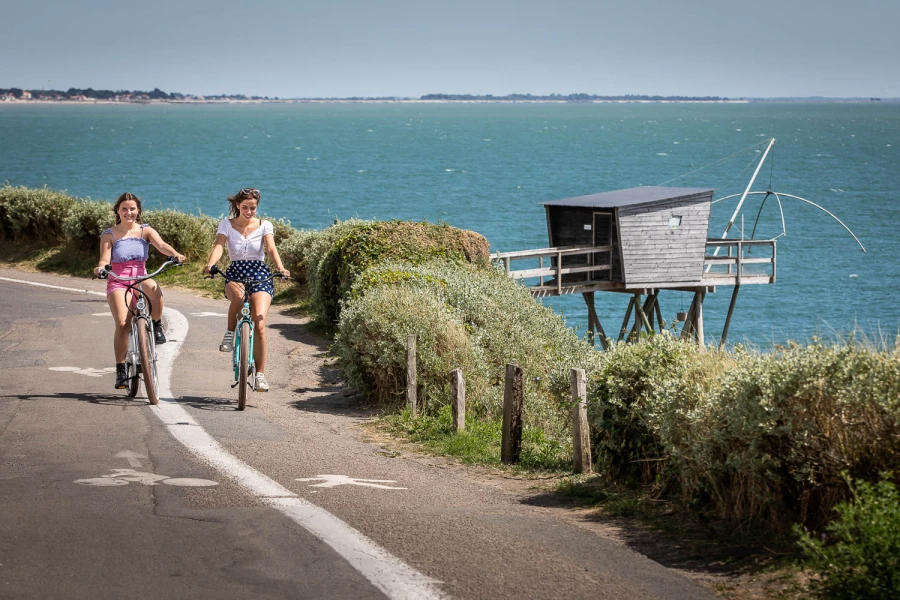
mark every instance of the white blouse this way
{"type": "Point", "coordinates": [251, 247]}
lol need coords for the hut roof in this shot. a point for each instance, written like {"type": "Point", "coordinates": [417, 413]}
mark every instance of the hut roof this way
{"type": "Point", "coordinates": [648, 194]}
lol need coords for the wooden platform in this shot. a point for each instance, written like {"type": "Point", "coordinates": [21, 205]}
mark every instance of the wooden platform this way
{"type": "Point", "coordinates": [556, 277]}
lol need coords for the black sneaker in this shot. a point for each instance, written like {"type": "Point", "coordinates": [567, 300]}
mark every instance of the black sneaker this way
{"type": "Point", "coordinates": [121, 376]}
{"type": "Point", "coordinates": [158, 332]}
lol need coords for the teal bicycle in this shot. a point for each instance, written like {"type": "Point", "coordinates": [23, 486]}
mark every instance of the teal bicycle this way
{"type": "Point", "coordinates": [242, 355]}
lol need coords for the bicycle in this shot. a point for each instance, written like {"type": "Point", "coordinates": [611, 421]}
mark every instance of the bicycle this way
{"type": "Point", "coordinates": [242, 354]}
{"type": "Point", "coordinates": [140, 360]}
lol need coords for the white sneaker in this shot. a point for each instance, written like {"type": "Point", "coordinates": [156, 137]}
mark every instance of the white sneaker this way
{"type": "Point", "coordinates": [261, 384]}
{"type": "Point", "coordinates": [227, 344]}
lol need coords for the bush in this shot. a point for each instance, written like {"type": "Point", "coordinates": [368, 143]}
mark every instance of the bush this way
{"type": "Point", "coordinates": [859, 559]}
{"type": "Point", "coordinates": [640, 406]}
{"type": "Point", "coordinates": [85, 223]}
{"type": "Point", "coordinates": [499, 320]}
{"type": "Point", "coordinates": [360, 244]}
{"type": "Point", "coordinates": [191, 235]}
{"type": "Point", "coordinates": [372, 341]}
{"type": "Point", "coordinates": [35, 215]}
{"type": "Point", "coordinates": [781, 428]}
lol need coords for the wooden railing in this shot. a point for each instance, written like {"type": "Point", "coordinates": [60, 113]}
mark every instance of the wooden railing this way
{"type": "Point", "coordinates": [731, 267]}
{"type": "Point", "coordinates": [555, 271]}
{"type": "Point", "coordinates": [728, 267]}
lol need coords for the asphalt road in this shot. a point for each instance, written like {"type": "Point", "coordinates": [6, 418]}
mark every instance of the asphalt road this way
{"type": "Point", "coordinates": [106, 496]}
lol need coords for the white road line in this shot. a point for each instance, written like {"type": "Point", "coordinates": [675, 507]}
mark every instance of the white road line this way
{"type": "Point", "coordinates": [392, 576]}
{"type": "Point", "coordinates": [55, 287]}
{"type": "Point", "coordinates": [385, 571]}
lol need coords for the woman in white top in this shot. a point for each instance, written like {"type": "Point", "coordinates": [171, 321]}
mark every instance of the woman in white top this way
{"type": "Point", "coordinates": [248, 239]}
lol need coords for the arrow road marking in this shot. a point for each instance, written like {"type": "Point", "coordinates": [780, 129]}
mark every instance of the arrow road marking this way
{"type": "Point", "coordinates": [132, 457]}
{"type": "Point", "coordinates": [331, 481]}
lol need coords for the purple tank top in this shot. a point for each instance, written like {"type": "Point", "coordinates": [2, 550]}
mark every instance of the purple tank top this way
{"type": "Point", "coordinates": [129, 248]}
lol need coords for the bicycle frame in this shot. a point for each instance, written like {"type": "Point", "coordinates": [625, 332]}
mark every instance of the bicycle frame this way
{"type": "Point", "coordinates": [238, 341]}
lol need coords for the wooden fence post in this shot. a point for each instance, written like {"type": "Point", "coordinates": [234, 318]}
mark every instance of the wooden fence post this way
{"type": "Point", "coordinates": [411, 374]}
{"type": "Point", "coordinates": [581, 436]}
{"type": "Point", "coordinates": [513, 401]}
{"type": "Point", "coordinates": [458, 399]}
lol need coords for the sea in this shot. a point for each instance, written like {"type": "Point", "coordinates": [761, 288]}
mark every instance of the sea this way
{"type": "Point", "coordinates": [488, 166]}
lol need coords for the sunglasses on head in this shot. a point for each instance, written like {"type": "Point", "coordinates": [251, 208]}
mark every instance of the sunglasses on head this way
{"type": "Point", "coordinates": [251, 192]}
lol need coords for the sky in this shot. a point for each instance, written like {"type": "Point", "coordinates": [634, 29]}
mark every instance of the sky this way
{"type": "Point", "coordinates": [408, 48]}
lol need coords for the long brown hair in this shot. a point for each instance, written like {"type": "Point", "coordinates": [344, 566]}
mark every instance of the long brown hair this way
{"type": "Point", "coordinates": [243, 194]}
{"type": "Point", "coordinates": [123, 198]}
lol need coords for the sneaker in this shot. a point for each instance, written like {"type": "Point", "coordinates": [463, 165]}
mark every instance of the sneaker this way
{"type": "Point", "coordinates": [121, 376]}
{"type": "Point", "coordinates": [158, 332]}
{"type": "Point", "coordinates": [261, 384]}
{"type": "Point", "coordinates": [227, 344]}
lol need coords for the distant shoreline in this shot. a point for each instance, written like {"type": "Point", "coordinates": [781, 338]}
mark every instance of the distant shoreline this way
{"type": "Point", "coordinates": [91, 101]}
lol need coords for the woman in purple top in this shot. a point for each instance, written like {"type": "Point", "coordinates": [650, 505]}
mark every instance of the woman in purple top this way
{"type": "Point", "coordinates": [125, 247]}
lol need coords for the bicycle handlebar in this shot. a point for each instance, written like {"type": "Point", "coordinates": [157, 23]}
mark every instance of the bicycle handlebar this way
{"type": "Point", "coordinates": [215, 270]}
{"type": "Point", "coordinates": [171, 261]}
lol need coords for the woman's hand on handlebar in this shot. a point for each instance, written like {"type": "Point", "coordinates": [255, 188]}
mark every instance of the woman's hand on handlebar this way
{"type": "Point", "coordinates": [101, 272]}
{"type": "Point", "coordinates": [285, 273]}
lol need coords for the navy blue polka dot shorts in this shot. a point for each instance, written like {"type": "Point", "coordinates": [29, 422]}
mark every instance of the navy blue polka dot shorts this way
{"type": "Point", "coordinates": [252, 269]}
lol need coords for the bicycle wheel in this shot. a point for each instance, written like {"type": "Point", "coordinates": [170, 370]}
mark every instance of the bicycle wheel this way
{"type": "Point", "coordinates": [148, 360]}
{"type": "Point", "coordinates": [244, 366]}
{"type": "Point", "coordinates": [132, 365]}
{"type": "Point", "coordinates": [133, 371]}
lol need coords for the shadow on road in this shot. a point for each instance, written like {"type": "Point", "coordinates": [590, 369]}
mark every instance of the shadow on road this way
{"type": "Point", "coordinates": [337, 401]}
{"type": "Point", "coordinates": [298, 333]}
{"type": "Point", "coordinates": [209, 403]}
{"type": "Point", "coordinates": [106, 399]}
{"type": "Point", "coordinates": [699, 552]}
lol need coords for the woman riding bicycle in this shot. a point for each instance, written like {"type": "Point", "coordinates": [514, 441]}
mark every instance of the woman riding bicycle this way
{"type": "Point", "coordinates": [125, 247]}
{"type": "Point", "coordinates": [248, 240]}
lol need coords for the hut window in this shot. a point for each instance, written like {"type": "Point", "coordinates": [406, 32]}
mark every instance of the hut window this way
{"type": "Point", "coordinates": [674, 222]}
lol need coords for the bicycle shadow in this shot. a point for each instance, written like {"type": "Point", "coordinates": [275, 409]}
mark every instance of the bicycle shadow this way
{"type": "Point", "coordinates": [209, 403]}
{"type": "Point", "coordinates": [93, 398]}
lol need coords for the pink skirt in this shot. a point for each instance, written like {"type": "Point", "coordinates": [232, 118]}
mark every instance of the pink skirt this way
{"type": "Point", "coordinates": [132, 268]}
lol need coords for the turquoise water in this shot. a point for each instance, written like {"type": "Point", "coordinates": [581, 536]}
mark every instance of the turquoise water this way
{"type": "Point", "coordinates": [486, 167]}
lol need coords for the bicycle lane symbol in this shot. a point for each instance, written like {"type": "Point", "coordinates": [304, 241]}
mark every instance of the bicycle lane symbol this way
{"type": "Point", "coordinates": [125, 476]}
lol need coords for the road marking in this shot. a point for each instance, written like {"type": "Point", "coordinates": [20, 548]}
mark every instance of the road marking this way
{"type": "Point", "coordinates": [331, 481]}
{"type": "Point", "coordinates": [393, 577]}
{"type": "Point", "coordinates": [126, 476]}
{"type": "Point", "coordinates": [131, 457]}
{"type": "Point", "coordinates": [208, 314]}
{"type": "Point", "coordinates": [89, 371]}
{"type": "Point", "coordinates": [55, 287]}
{"type": "Point", "coordinates": [389, 574]}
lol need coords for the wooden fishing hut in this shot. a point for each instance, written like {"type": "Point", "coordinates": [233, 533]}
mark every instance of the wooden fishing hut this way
{"type": "Point", "coordinates": [639, 241]}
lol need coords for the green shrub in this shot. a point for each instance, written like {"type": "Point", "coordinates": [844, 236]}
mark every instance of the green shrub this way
{"type": "Point", "coordinates": [85, 223]}
{"type": "Point", "coordinates": [372, 342]}
{"type": "Point", "coordinates": [362, 244]}
{"type": "Point", "coordinates": [641, 404]}
{"type": "Point", "coordinates": [35, 215]}
{"type": "Point", "coordinates": [501, 324]}
{"type": "Point", "coordinates": [780, 429]}
{"type": "Point", "coordinates": [859, 559]}
{"type": "Point", "coordinates": [191, 235]}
